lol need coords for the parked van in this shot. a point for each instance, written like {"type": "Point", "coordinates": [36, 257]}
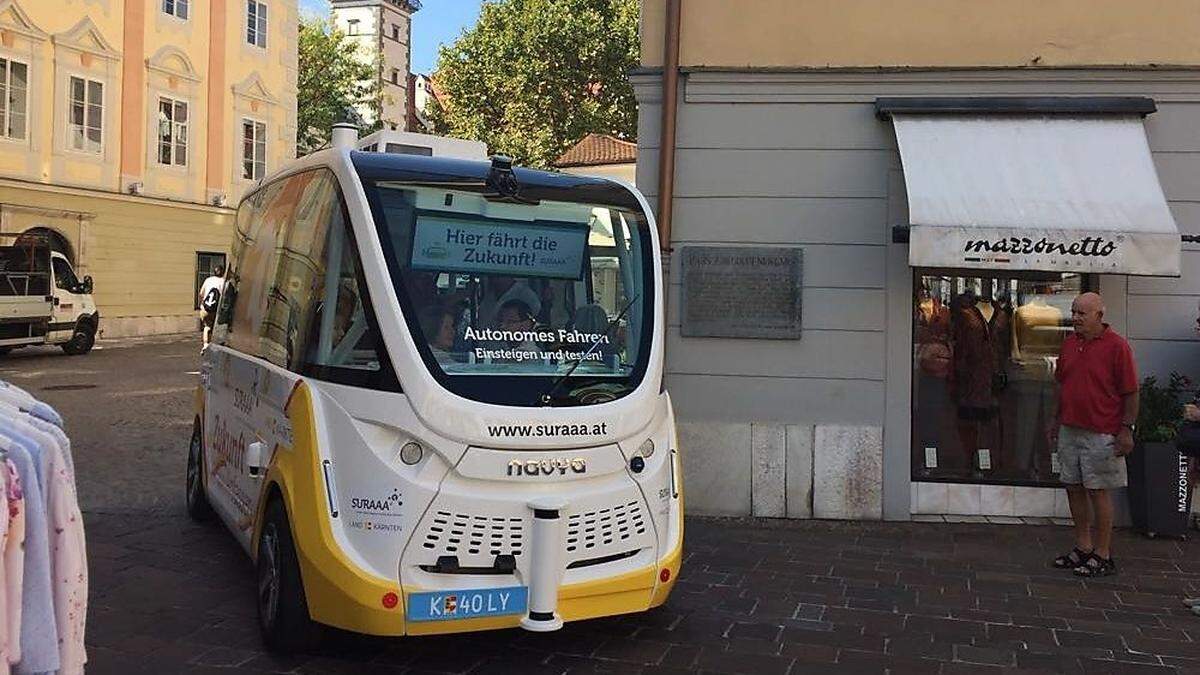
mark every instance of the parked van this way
{"type": "Point", "coordinates": [42, 301]}
{"type": "Point", "coordinates": [434, 399]}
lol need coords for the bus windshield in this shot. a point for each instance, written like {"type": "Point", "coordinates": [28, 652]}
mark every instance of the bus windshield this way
{"type": "Point", "coordinates": [506, 299]}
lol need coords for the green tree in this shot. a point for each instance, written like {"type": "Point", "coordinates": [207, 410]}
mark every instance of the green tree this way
{"type": "Point", "coordinates": [333, 80]}
{"type": "Point", "coordinates": [533, 77]}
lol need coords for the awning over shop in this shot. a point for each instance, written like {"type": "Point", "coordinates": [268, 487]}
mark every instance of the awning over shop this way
{"type": "Point", "coordinates": [1064, 188]}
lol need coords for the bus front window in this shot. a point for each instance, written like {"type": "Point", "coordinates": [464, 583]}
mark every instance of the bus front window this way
{"type": "Point", "coordinates": [506, 299]}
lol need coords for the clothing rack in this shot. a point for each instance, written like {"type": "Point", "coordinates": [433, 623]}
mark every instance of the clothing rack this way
{"type": "Point", "coordinates": [43, 557]}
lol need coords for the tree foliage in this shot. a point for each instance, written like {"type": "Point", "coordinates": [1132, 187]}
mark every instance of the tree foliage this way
{"type": "Point", "coordinates": [333, 79]}
{"type": "Point", "coordinates": [533, 77]}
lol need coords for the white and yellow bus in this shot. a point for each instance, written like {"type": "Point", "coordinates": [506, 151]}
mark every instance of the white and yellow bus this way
{"type": "Point", "coordinates": [434, 399]}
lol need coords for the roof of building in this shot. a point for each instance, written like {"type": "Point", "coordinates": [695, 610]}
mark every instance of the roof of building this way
{"type": "Point", "coordinates": [598, 149]}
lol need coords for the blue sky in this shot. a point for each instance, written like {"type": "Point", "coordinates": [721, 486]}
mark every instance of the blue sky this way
{"type": "Point", "coordinates": [437, 22]}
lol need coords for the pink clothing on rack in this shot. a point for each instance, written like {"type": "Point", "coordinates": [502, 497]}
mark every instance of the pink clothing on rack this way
{"type": "Point", "coordinates": [12, 565]}
{"type": "Point", "coordinates": [68, 555]}
{"type": "Point", "coordinates": [68, 552]}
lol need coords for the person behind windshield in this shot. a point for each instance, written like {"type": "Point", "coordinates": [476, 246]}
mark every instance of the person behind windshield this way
{"type": "Point", "coordinates": [498, 290]}
{"type": "Point", "coordinates": [437, 323]}
{"type": "Point", "coordinates": [516, 317]}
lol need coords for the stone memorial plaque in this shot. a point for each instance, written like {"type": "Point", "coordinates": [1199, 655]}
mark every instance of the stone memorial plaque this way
{"type": "Point", "coordinates": [741, 292]}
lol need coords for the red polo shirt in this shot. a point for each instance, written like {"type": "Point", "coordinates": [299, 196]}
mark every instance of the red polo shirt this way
{"type": "Point", "coordinates": [1093, 376]}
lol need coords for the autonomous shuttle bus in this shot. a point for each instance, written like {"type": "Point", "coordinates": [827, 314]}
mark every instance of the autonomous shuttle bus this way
{"type": "Point", "coordinates": [434, 399]}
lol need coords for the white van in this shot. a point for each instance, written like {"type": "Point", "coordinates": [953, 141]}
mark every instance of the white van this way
{"type": "Point", "coordinates": [42, 301]}
{"type": "Point", "coordinates": [434, 399]}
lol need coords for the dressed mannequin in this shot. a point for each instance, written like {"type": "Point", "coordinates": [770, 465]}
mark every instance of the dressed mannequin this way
{"type": "Point", "coordinates": [1036, 336]}
{"type": "Point", "coordinates": [974, 374]}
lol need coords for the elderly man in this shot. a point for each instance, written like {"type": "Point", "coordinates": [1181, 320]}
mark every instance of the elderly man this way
{"type": "Point", "coordinates": [1097, 408]}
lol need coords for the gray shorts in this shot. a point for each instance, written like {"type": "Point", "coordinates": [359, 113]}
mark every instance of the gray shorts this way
{"type": "Point", "coordinates": [1086, 457]}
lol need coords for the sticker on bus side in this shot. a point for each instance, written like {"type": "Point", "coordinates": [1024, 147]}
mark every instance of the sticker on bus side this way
{"type": "Point", "coordinates": [467, 604]}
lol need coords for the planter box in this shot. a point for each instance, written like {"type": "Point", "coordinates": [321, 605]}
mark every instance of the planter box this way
{"type": "Point", "coordinates": [1159, 495]}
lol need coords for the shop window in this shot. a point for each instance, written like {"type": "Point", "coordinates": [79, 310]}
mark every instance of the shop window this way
{"type": "Point", "coordinates": [176, 8]}
{"type": "Point", "coordinates": [985, 349]}
{"type": "Point", "coordinates": [172, 131]}
{"type": "Point", "coordinates": [254, 149]}
{"type": "Point", "coordinates": [14, 99]}
{"type": "Point", "coordinates": [85, 127]}
{"type": "Point", "coordinates": [256, 23]}
{"type": "Point", "coordinates": [207, 264]}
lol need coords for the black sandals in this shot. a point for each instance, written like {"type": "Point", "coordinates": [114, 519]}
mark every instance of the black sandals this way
{"type": "Point", "coordinates": [1095, 566]}
{"type": "Point", "coordinates": [1072, 560]}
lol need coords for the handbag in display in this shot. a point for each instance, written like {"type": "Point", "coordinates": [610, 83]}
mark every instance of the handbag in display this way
{"type": "Point", "coordinates": [935, 358]}
{"type": "Point", "coordinates": [1187, 439]}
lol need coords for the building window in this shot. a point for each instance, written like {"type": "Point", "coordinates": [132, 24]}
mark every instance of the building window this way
{"type": "Point", "coordinates": [172, 131]}
{"type": "Point", "coordinates": [395, 32]}
{"type": "Point", "coordinates": [14, 98]}
{"type": "Point", "coordinates": [86, 124]}
{"type": "Point", "coordinates": [254, 149]}
{"type": "Point", "coordinates": [352, 27]}
{"type": "Point", "coordinates": [256, 23]}
{"type": "Point", "coordinates": [395, 76]}
{"type": "Point", "coordinates": [176, 8]}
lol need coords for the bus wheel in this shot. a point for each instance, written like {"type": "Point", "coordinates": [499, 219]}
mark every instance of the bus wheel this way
{"type": "Point", "coordinates": [282, 608]}
{"type": "Point", "coordinates": [81, 341]}
{"type": "Point", "coordinates": [197, 502]}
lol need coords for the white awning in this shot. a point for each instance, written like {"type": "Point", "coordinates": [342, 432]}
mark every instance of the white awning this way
{"type": "Point", "coordinates": [1024, 192]}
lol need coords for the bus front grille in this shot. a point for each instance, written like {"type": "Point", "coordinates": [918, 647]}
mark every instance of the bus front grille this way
{"type": "Point", "coordinates": [475, 535]}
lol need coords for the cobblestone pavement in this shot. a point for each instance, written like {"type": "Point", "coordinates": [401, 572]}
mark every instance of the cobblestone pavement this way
{"type": "Point", "coordinates": [755, 596]}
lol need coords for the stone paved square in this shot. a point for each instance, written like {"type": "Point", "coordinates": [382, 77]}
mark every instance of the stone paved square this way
{"type": "Point", "coordinates": [755, 596]}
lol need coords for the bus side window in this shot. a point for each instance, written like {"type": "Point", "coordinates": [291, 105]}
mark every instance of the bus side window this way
{"type": "Point", "coordinates": [296, 286]}
{"type": "Point", "coordinates": [343, 343]}
{"type": "Point", "coordinates": [247, 217]}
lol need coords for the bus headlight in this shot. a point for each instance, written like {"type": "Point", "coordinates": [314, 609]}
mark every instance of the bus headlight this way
{"type": "Point", "coordinates": [411, 453]}
{"type": "Point", "coordinates": [646, 449]}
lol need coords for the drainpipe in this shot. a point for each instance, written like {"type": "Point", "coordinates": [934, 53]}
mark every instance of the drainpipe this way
{"type": "Point", "coordinates": [666, 154]}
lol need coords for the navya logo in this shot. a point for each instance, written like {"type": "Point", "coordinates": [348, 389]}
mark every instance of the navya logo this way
{"type": "Point", "coordinates": [547, 467]}
{"type": "Point", "coordinates": [388, 505]}
{"type": "Point", "coordinates": [435, 252]}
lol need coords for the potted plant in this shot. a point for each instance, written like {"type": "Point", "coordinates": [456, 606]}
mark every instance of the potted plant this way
{"type": "Point", "coordinates": [1159, 497]}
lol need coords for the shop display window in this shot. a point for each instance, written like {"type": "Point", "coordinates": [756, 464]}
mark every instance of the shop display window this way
{"type": "Point", "coordinates": [984, 352]}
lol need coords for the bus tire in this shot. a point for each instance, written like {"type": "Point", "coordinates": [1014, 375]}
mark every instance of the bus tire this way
{"type": "Point", "coordinates": [82, 340]}
{"type": "Point", "coordinates": [282, 607]}
{"type": "Point", "coordinates": [5, 350]}
{"type": "Point", "coordinates": [198, 507]}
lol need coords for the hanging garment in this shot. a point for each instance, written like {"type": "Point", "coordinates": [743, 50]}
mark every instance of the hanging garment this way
{"type": "Point", "coordinates": [68, 551]}
{"type": "Point", "coordinates": [974, 359]}
{"type": "Point", "coordinates": [4, 522]}
{"type": "Point", "coordinates": [39, 630]}
{"type": "Point", "coordinates": [14, 559]}
{"type": "Point", "coordinates": [23, 399]}
{"type": "Point", "coordinates": [60, 436]}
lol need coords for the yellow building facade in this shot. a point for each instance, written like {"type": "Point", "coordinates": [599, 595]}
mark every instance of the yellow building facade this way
{"type": "Point", "coordinates": [129, 130]}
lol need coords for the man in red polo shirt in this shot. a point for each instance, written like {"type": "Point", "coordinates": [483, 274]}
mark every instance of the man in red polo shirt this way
{"type": "Point", "coordinates": [1097, 407]}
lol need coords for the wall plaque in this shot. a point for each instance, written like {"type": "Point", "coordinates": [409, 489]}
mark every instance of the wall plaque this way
{"type": "Point", "coordinates": [741, 292]}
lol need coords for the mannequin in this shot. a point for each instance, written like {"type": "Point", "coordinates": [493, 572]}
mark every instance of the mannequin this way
{"type": "Point", "coordinates": [1036, 331]}
{"type": "Point", "coordinates": [1037, 335]}
{"type": "Point", "coordinates": [974, 374]}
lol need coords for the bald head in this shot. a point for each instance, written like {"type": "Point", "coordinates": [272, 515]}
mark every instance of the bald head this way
{"type": "Point", "coordinates": [1087, 315]}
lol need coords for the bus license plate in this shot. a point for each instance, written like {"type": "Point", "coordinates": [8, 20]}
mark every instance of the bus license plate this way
{"type": "Point", "coordinates": [467, 604]}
